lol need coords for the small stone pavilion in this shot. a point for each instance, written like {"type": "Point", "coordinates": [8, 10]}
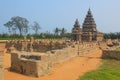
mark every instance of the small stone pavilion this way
{"type": "Point", "coordinates": [88, 32]}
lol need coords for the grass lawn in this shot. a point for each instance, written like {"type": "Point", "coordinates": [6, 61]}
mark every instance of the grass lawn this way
{"type": "Point", "coordinates": [109, 70]}
{"type": "Point", "coordinates": [10, 38]}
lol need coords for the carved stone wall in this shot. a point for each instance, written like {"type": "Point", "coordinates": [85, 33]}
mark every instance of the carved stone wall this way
{"type": "Point", "coordinates": [37, 64]}
{"type": "Point", "coordinates": [111, 54]}
{"type": "Point", "coordinates": [1, 64]}
{"type": "Point", "coordinates": [88, 32]}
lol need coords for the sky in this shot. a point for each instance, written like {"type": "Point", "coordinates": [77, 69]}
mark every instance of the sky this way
{"type": "Point", "coordinates": [62, 13]}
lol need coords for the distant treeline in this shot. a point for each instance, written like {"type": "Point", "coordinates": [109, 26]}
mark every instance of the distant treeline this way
{"type": "Point", "coordinates": [115, 35]}
{"type": "Point", "coordinates": [36, 36]}
{"type": "Point", "coordinates": [19, 27]}
{"type": "Point", "coordinates": [5, 36]}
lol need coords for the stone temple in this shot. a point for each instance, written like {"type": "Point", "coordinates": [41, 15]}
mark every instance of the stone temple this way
{"type": "Point", "coordinates": [88, 32]}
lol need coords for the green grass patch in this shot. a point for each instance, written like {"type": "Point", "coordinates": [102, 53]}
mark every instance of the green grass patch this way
{"type": "Point", "coordinates": [109, 70]}
{"type": "Point", "coordinates": [10, 38]}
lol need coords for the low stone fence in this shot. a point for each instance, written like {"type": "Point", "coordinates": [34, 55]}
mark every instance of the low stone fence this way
{"type": "Point", "coordinates": [1, 64]}
{"type": "Point", "coordinates": [31, 66]}
{"type": "Point", "coordinates": [111, 54]}
{"type": "Point", "coordinates": [2, 43]}
{"type": "Point", "coordinates": [38, 64]}
{"type": "Point", "coordinates": [56, 56]}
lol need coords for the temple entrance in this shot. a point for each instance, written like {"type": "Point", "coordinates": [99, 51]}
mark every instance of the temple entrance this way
{"type": "Point", "coordinates": [75, 38]}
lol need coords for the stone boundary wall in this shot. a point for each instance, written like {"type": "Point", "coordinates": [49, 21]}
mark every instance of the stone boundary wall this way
{"type": "Point", "coordinates": [30, 67]}
{"type": "Point", "coordinates": [111, 54]}
{"type": "Point", "coordinates": [1, 64]}
{"type": "Point", "coordinates": [21, 62]}
{"type": "Point", "coordinates": [39, 67]}
{"type": "Point", "coordinates": [3, 41]}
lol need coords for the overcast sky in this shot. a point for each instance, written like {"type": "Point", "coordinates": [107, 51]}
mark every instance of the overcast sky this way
{"type": "Point", "coordinates": [62, 13]}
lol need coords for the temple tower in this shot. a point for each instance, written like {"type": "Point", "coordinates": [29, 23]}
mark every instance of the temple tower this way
{"type": "Point", "coordinates": [89, 24]}
{"type": "Point", "coordinates": [76, 31]}
{"type": "Point", "coordinates": [89, 29]}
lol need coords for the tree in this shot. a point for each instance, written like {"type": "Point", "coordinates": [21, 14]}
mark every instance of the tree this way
{"type": "Point", "coordinates": [18, 23]}
{"type": "Point", "coordinates": [63, 31]}
{"type": "Point", "coordinates": [9, 26]}
{"type": "Point", "coordinates": [36, 27]}
{"type": "Point", "coordinates": [56, 31]}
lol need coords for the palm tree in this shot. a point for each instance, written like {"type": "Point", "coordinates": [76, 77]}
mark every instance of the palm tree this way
{"type": "Point", "coordinates": [63, 31]}
{"type": "Point", "coordinates": [56, 31]}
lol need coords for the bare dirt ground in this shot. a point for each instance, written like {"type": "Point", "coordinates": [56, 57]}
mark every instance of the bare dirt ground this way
{"type": "Point", "coordinates": [69, 70]}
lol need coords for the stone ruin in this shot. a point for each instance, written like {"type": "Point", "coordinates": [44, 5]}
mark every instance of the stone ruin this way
{"type": "Point", "coordinates": [35, 65]}
{"type": "Point", "coordinates": [113, 52]}
{"type": "Point", "coordinates": [35, 45]}
{"type": "Point", "coordinates": [1, 64]}
{"type": "Point", "coordinates": [112, 43]}
{"type": "Point", "coordinates": [88, 32]}
{"type": "Point", "coordinates": [36, 57]}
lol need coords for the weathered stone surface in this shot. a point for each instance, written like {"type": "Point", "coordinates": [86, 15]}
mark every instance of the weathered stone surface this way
{"type": "Point", "coordinates": [1, 64]}
{"type": "Point", "coordinates": [35, 45]}
{"type": "Point", "coordinates": [36, 57]}
{"type": "Point", "coordinates": [88, 32]}
{"type": "Point", "coordinates": [31, 66]}
{"type": "Point", "coordinates": [37, 64]}
{"type": "Point", "coordinates": [111, 54]}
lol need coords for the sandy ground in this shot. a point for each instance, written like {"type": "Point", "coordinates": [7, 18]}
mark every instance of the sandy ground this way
{"type": "Point", "coordinates": [69, 70]}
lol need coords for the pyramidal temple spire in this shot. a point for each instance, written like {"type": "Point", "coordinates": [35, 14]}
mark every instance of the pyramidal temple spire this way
{"type": "Point", "coordinates": [89, 10]}
{"type": "Point", "coordinates": [77, 24]}
{"type": "Point", "coordinates": [89, 23]}
{"type": "Point", "coordinates": [88, 32]}
{"type": "Point", "coordinates": [89, 13]}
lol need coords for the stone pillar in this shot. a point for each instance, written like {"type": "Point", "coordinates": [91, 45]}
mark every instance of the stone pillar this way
{"type": "Point", "coordinates": [25, 43]}
{"type": "Point", "coordinates": [31, 44]}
